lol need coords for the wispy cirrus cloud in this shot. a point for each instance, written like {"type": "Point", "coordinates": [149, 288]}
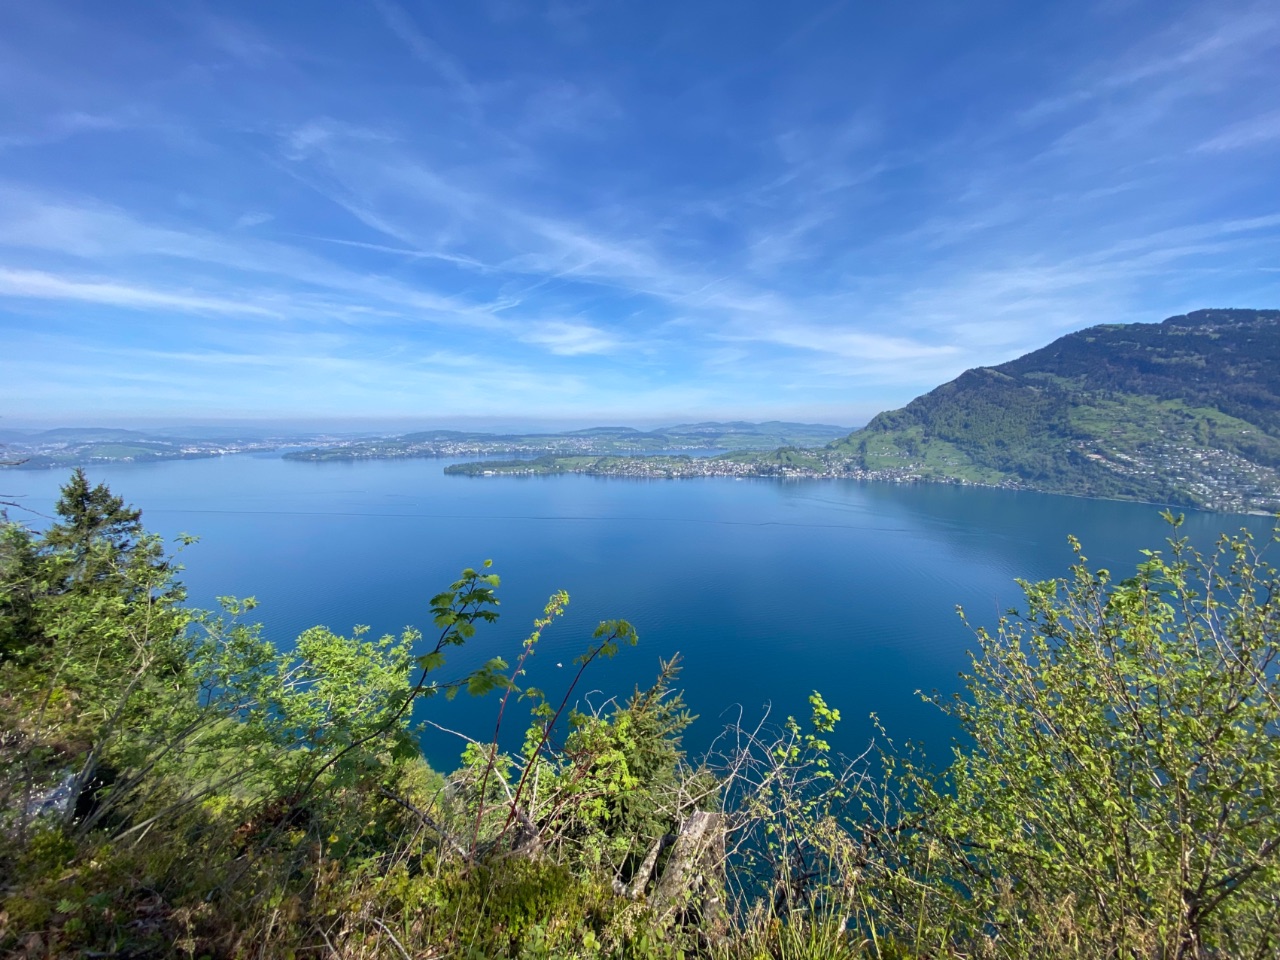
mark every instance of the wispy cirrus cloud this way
{"type": "Point", "coordinates": [96, 232]}
{"type": "Point", "coordinates": [1255, 131]}
{"type": "Point", "coordinates": [35, 284]}
{"type": "Point", "coordinates": [809, 212]}
{"type": "Point", "coordinates": [572, 339]}
{"type": "Point", "coordinates": [257, 218]}
{"type": "Point", "coordinates": [60, 126]}
{"type": "Point", "coordinates": [427, 51]}
{"type": "Point", "coordinates": [843, 352]}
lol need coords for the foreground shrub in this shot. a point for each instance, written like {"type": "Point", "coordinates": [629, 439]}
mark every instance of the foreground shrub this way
{"type": "Point", "coordinates": [1121, 796]}
{"type": "Point", "coordinates": [172, 784]}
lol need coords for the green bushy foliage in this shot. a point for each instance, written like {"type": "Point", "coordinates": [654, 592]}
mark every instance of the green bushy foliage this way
{"type": "Point", "coordinates": [1119, 794]}
{"type": "Point", "coordinates": [1130, 731]}
{"type": "Point", "coordinates": [1116, 795]}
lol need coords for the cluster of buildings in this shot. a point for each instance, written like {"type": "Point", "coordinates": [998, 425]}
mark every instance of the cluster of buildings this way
{"type": "Point", "coordinates": [1215, 479]}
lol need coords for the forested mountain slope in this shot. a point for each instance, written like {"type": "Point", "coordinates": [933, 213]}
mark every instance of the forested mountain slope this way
{"type": "Point", "coordinates": [1186, 411]}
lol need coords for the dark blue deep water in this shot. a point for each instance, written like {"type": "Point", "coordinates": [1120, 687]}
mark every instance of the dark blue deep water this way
{"type": "Point", "coordinates": [768, 589]}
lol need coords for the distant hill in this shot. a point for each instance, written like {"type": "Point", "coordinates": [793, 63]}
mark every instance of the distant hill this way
{"type": "Point", "coordinates": [88, 434]}
{"type": "Point", "coordinates": [78, 446]}
{"type": "Point", "coordinates": [591, 442]}
{"type": "Point", "coordinates": [1185, 412]}
{"type": "Point", "coordinates": [767, 428]}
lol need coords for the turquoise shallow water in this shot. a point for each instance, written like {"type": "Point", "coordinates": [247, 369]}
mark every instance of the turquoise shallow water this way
{"type": "Point", "coordinates": [768, 589]}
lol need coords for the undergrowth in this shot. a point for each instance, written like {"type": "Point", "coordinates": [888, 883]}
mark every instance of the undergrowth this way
{"type": "Point", "coordinates": [172, 784]}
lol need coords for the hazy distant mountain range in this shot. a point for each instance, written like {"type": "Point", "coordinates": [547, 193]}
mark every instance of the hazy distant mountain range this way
{"type": "Point", "coordinates": [1184, 412]}
{"type": "Point", "coordinates": [70, 446]}
{"type": "Point", "coordinates": [595, 441]}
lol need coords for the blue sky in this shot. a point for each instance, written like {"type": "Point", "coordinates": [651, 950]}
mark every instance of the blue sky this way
{"type": "Point", "coordinates": [597, 211]}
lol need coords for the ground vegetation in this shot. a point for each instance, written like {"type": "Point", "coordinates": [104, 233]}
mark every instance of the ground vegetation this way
{"type": "Point", "coordinates": [172, 783]}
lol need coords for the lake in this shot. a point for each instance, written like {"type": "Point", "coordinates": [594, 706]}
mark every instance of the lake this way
{"type": "Point", "coordinates": [768, 589]}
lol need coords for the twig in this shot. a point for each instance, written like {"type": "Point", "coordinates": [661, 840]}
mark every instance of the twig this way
{"type": "Point", "coordinates": [400, 946]}
{"type": "Point", "coordinates": [425, 817]}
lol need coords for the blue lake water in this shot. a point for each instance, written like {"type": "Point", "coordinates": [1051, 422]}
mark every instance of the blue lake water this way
{"type": "Point", "coordinates": [768, 589]}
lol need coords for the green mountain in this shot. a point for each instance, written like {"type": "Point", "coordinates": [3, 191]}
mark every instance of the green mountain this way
{"type": "Point", "coordinates": [1185, 412]}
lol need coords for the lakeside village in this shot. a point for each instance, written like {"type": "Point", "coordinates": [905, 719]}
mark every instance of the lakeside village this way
{"type": "Point", "coordinates": [1207, 478]}
{"type": "Point", "coordinates": [805, 466]}
{"type": "Point", "coordinates": [1212, 479]}
{"type": "Point", "coordinates": [1216, 479]}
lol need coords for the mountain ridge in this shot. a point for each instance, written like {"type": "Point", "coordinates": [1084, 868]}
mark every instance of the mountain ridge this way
{"type": "Point", "coordinates": [1185, 411]}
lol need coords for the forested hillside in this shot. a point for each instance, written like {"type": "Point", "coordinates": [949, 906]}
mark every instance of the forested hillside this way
{"type": "Point", "coordinates": [173, 783]}
{"type": "Point", "coordinates": [1185, 412]}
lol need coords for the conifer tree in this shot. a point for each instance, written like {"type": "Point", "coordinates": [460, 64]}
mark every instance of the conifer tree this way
{"type": "Point", "coordinates": [92, 514]}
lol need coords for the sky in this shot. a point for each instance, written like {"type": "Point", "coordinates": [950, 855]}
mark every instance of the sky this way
{"type": "Point", "coordinates": [593, 211]}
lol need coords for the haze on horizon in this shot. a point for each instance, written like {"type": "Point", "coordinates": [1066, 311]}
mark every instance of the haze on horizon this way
{"type": "Point", "coordinates": [593, 212]}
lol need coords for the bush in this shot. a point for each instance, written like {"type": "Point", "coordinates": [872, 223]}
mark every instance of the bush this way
{"type": "Point", "coordinates": [1123, 785]}
{"type": "Point", "coordinates": [1117, 793]}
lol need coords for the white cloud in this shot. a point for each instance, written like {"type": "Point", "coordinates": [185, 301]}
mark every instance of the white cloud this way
{"type": "Point", "coordinates": [427, 50]}
{"type": "Point", "coordinates": [105, 234]}
{"type": "Point", "coordinates": [248, 220]}
{"type": "Point", "coordinates": [806, 243]}
{"type": "Point", "coordinates": [35, 284]}
{"type": "Point", "coordinates": [1247, 133]}
{"type": "Point", "coordinates": [64, 125]}
{"type": "Point", "coordinates": [571, 339]}
{"type": "Point", "coordinates": [307, 138]}
{"type": "Point", "coordinates": [563, 107]}
{"type": "Point", "coordinates": [846, 342]}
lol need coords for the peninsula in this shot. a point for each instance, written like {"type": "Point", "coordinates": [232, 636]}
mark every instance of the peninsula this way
{"type": "Point", "coordinates": [592, 442]}
{"type": "Point", "coordinates": [1184, 412]}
